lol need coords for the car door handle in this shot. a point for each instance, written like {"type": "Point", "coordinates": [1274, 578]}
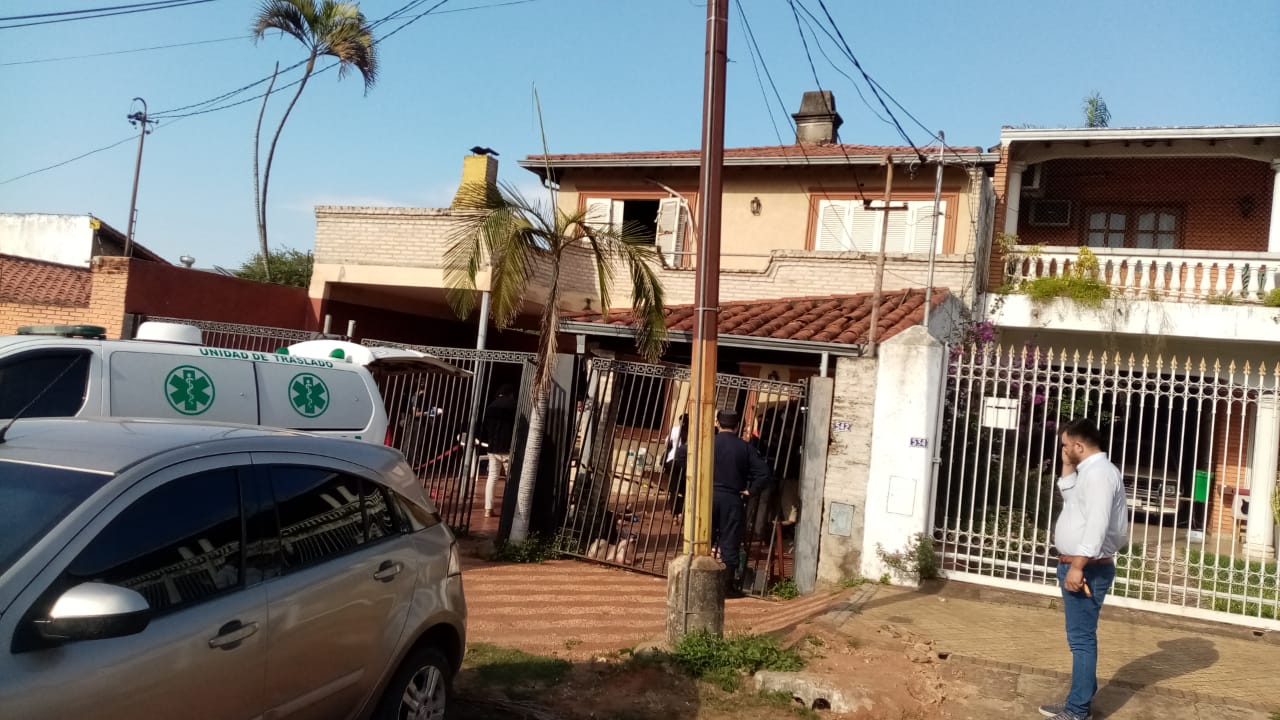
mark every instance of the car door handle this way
{"type": "Point", "coordinates": [387, 571]}
{"type": "Point", "coordinates": [232, 634]}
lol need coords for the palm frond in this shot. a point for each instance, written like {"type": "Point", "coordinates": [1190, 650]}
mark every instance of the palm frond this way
{"type": "Point", "coordinates": [496, 228]}
{"type": "Point", "coordinates": [648, 298]}
{"type": "Point", "coordinates": [346, 35]}
{"type": "Point", "coordinates": [288, 16]}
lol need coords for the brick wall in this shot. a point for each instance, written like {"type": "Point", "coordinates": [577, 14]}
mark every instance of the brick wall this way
{"type": "Point", "coordinates": [848, 466]}
{"type": "Point", "coordinates": [108, 285]}
{"type": "Point", "coordinates": [1230, 465]}
{"type": "Point", "coordinates": [400, 237]}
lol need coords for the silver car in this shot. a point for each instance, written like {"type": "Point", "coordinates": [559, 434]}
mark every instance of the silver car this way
{"type": "Point", "coordinates": [158, 569]}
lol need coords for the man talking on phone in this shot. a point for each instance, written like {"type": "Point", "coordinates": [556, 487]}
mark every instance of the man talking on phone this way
{"type": "Point", "coordinates": [1092, 527]}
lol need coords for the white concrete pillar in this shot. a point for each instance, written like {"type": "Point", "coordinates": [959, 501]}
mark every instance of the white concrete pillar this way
{"type": "Point", "coordinates": [1273, 243]}
{"type": "Point", "coordinates": [908, 383]}
{"type": "Point", "coordinates": [1013, 196]}
{"type": "Point", "coordinates": [1260, 530]}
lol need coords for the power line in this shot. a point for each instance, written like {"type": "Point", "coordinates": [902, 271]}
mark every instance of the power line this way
{"type": "Point", "coordinates": [168, 6]}
{"type": "Point", "coordinates": [125, 52]}
{"type": "Point", "coordinates": [66, 162]}
{"type": "Point", "coordinates": [865, 76]}
{"type": "Point", "coordinates": [87, 10]}
{"type": "Point", "coordinates": [177, 112]}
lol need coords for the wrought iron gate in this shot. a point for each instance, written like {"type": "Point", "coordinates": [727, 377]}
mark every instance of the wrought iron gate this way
{"type": "Point", "coordinates": [625, 497]}
{"type": "Point", "coordinates": [437, 421]}
{"type": "Point", "coordinates": [1190, 439]}
{"type": "Point", "coordinates": [252, 338]}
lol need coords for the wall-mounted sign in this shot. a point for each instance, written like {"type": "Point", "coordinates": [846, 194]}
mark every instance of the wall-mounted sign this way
{"type": "Point", "coordinates": [1000, 413]}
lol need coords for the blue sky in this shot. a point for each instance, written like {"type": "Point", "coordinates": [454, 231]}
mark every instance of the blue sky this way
{"type": "Point", "coordinates": [612, 74]}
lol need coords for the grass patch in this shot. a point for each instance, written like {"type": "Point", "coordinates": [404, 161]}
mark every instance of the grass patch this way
{"type": "Point", "coordinates": [514, 669]}
{"type": "Point", "coordinates": [853, 581]}
{"type": "Point", "coordinates": [1220, 299]}
{"type": "Point", "coordinates": [785, 589]}
{"type": "Point", "coordinates": [1254, 586]}
{"type": "Point", "coordinates": [723, 661]}
{"type": "Point", "coordinates": [536, 549]}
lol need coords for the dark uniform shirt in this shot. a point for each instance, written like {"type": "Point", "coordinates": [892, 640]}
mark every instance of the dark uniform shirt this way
{"type": "Point", "coordinates": [738, 466]}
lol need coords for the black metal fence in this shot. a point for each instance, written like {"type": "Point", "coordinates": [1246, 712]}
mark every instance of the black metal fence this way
{"type": "Point", "coordinates": [627, 494]}
{"type": "Point", "coordinates": [439, 422]}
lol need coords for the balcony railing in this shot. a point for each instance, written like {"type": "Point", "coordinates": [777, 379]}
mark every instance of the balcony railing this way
{"type": "Point", "coordinates": [1174, 275]}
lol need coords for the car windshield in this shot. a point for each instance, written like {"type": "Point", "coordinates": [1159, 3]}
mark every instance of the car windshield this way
{"type": "Point", "coordinates": [35, 498]}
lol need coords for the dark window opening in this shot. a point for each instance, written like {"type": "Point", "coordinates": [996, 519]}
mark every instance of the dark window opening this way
{"type": "Point", "coordinates": [641, 217]}
{"type": "Point", "coordinates": [61, 375]}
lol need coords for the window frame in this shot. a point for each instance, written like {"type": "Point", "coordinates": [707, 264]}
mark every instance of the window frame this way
{"type": "Point", "coordinates": [1132, 213]}
{"type": "Point", "coordinates": [948, 220]}
{"type": "Point", "coordinates": [82, 353]}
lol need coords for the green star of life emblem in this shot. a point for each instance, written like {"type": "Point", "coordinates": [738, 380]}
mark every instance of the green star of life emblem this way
{"type": "Point", "coordinates": [309, 395]}
{"type": "Point", "coordinates": [189, 390]}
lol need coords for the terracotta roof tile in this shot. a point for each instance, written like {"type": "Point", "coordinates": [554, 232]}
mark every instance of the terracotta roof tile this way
{"type": "Point", "coordinates": [41, 283]}
{"type": "Point", "coordinates": [762, 151]}
{"type": "Point", "coordinates": [843, 319]}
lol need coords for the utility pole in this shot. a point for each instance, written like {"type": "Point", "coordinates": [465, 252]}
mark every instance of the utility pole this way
{"type": "Point", "coordinates": [933, 233]}
{"type": "Point", "coordinates": [884, 239]}
{"type": "Point", "coordinates": [138, 119]}
{"type": "Point", "coordinates": [695, 592]}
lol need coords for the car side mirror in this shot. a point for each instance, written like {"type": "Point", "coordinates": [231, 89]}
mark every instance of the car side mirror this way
{"type": "Point", "coordinates": [95, 611]}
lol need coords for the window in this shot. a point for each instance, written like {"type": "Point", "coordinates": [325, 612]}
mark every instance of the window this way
{"type": "Point", "coordinates": [178, 545]}
{"type": "Point", "coordinates": [665, 220]}
{"type": "Point", "coordinates": [1147, 228]}
{"type": "Point", "coordinates": [56, 380]}
{"type": "Point", "coordinates": [324, 514]}
{"type": "Point", "coordinates": [854, 226]}
{"type": "Point", "coordinates": [34, 499]}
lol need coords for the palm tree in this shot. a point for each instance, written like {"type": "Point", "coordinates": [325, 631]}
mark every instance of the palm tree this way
{"type": "Point", "coordinates": [1096, 114]}
{"type": "Point", "coordinates": [332, 28]}
{"type": "Point", "coordinates": [518, 238]}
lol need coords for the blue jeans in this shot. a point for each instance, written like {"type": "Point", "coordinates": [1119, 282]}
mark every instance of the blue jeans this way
{"type": "Point", "coordinates": [1082, 632]}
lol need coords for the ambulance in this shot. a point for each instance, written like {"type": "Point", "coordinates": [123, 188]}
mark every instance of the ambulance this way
{"type": "Point", "coordinates": [327, 387]}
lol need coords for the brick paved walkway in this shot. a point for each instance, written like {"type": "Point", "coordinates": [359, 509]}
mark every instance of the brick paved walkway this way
{"type": "Point", "coordinates": [1193, 661]}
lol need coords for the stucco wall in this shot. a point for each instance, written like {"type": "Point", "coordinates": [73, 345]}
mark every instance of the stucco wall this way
{"type": "Point", "coordinates": [62, 239]}
{"type": "Point", "coordinates": [848, 466]}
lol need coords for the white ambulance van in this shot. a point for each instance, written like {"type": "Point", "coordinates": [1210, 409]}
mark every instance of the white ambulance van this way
{"type": "Point", "coordinates": [326, 387]}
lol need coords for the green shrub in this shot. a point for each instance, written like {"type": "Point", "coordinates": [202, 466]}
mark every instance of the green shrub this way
{"type": "Point", "coordinates": [785, 589]}
{"type": "Point", "coordinates": [724, 660]}
{"type": "Point", "coordinates": [536, 549]}
{"type": "Point", "coordinates": [1272, 299]}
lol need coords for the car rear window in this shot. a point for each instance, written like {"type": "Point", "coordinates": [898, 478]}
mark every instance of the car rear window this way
{"type": "Point", "coordinates": [35, 498]}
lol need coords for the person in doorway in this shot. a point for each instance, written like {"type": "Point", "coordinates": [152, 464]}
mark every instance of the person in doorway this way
{"type": "Point", "coordinates": [740, 473]}
{"type": "Point", "coordinates": [499, 426]}
{"type": "Point", "coordinates": [677, 463]}
{"type": "Point", "coordinates": [1092, 527]}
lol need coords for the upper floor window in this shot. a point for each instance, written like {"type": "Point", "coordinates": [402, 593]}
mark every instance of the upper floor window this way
{"type": "Point", "coordinates": [1145, 228]}
{"type": "Point", "coordinates": [852, 225]}
{"type": "Point", "coordinates": [663, 221]}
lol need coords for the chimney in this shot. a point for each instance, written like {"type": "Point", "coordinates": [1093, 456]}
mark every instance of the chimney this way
{"type": "Point", "coordinates": [818, 122]}
{"type": "Point", "coordinates": [477, 170]}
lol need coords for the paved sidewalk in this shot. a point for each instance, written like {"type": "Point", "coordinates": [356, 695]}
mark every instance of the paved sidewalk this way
{"type": "Point", "coordinates": [1191, 665]}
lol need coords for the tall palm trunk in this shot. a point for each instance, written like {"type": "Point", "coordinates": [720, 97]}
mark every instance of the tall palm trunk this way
{"type": "Point", "coordinates": [271, 153]}
{"type": "Point", "coordinates": [538, 415]}
{"type": "Point", "coordinates": [257, 199]}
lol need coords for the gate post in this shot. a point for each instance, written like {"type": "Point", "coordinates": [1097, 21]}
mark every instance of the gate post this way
{"type": "Point", "coordinates": [1260, 529]}
{"type": "Point", "coordinates": [910, 378]}
{"type": "Point", "coordinates": [813, 481]}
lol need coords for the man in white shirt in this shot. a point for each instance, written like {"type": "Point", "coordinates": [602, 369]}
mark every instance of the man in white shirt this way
{"type": "Point", "coordinates": [1091, 529]}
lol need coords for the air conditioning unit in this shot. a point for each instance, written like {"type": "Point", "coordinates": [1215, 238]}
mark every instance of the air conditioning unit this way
{"type": "Point", "coordinates": [1050, 213]}
{"type": "Point", "coordinates": [1033, 180]}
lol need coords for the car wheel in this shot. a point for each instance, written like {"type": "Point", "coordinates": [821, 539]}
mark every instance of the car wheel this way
{"type": "Point", "coordinates": [420, 690]}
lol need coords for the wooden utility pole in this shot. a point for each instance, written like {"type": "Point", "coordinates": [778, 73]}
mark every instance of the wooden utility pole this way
{"type": "Point", "coordinates": [707, 282]}
{"type": "Point", "coordinates": [140, 119]}
{"type": "Point", "coordinates": [695, 587]}
{"type": "Point", "coordinates": [884, 239]}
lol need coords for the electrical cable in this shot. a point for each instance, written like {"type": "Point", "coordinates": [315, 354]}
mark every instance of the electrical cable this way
{"type": "Point", "coordinates": [169, 6]}
{"type": "Point", "coordinates": [124, 52]}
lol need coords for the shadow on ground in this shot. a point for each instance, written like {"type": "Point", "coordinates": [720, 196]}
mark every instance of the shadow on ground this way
{"type": "Point", "coordinates": [1174, 658]}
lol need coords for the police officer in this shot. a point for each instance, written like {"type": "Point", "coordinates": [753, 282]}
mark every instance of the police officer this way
{"type": "Point", "coordinates": [740, 473]}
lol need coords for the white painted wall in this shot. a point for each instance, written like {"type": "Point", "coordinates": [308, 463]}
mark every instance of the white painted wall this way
{"type": "Point", "coordinates": [1250, 323]}
{"type": "Point", "coordinates": [62, 239]}
{"type": "Point", "coordinates": [848, 449]}
{"type": "Point", "coordinates": [899, 486]}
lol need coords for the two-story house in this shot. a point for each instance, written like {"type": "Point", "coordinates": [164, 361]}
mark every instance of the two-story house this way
{"type": "Point", "coordinates": [1134, 281]}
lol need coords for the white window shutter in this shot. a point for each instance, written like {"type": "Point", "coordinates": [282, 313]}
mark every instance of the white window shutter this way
{"type": "Point", "coordinates": [921, 226]}
{"type": "Point", "coordinates": [669, 227]}
{"type": "Point", "coordinates": [600, 212]}
{"type": "Point", "coordinates": [864, 227]}
{"type": "Point", "coordinates": [833, 226]}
